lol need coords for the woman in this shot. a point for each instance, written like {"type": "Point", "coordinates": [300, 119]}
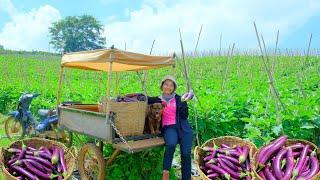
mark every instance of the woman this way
{"type": "Point", "coordinates": [175, 127]}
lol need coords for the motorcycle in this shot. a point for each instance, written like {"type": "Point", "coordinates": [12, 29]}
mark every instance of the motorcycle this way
{"type": "Point", "coordinates": [22, 122]}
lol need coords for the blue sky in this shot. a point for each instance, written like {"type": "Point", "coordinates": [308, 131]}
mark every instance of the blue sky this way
{"type": "Point", "coordinates": [136, 23]}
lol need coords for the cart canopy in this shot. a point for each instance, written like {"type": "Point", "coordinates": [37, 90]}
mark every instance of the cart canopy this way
{"type": "Point", "coordinates": [100, 59]}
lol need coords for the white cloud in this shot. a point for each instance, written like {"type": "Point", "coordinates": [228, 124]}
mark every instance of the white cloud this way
{"type": "Point", "coordinates": [7, 6]}
{"type": "Point", "coordinates": [28, 30]}
{"type": "Point", "coordinates": [160, 20]}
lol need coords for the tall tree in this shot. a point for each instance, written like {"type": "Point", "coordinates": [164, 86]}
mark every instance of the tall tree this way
{"type": "Point", "coordinates": [77, 33]}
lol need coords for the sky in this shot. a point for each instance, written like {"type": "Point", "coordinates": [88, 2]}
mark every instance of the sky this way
{"type": "Point", "coordinates": [136, 23]}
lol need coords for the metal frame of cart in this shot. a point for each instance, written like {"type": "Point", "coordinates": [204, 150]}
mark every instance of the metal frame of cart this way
{"type": "Point", "coordinates": [86, 119]}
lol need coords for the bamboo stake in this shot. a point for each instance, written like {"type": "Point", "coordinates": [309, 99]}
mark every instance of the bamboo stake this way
{"type": "Point", "coordinates": [271, 76]}
{"type": "Point", "coordinates": [188, 84]}
{"type": "Point", "coordinates": [275, 53]}
{"type": "Point", "coordinates": [152, 46]}
{"type": "Point", "coordinates": [272, 70]}
{"type": "Point", "coordinates": [301, 86]}
{"type": "Point", "coordinates": [109, 78]}
{"type": "Point", "coordinates": [59, 86]}
{"type": "Point", "coordinates": [195, 49]}
{"type": "Point", "coordinates": [117, 83]}
{"type": "Point", "coordinates": [308, 51]}
{"type": "Point", "coordinates": [271, 85]}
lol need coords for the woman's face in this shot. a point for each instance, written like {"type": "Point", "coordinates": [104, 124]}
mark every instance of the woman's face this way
{"type": "Point", "coordinates": [168, 87]}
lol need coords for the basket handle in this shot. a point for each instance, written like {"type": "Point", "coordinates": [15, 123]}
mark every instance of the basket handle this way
{"type": "Point", "coordinates": [196, 155]}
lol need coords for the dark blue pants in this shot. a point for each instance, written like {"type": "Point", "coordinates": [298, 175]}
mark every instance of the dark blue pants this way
{"type": "Point", "coordinates": [172, 138]}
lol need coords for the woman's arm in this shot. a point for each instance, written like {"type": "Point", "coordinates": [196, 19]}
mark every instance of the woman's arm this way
{"type": "Point", "coordinates": [184, 112]}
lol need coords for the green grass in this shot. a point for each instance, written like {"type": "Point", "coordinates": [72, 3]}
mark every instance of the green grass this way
{"type": "Point", "coordinates": [3, 140]}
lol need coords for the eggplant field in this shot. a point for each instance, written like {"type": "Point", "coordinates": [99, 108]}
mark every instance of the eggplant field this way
{"type": "Point", "coordinates": [252, 97]}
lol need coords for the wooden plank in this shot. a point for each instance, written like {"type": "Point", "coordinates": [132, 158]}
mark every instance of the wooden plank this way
{"type": "Point", "coordinates": [135, 138]}
{"type": "Point", "coordinates": [86, 122]}
{"type": "Point", "coordinates": [140, 145]}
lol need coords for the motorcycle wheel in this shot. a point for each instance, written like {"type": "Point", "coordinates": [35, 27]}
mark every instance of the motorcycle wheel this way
{"type": "Point", "coordinates": [14, 128]}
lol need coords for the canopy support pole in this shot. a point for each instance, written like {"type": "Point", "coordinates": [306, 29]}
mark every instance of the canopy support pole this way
{"type": "Point", "coordinates": [109, 78]}
{"type": "Point", "coordinates": [60, 86]}
{"type": "Point", "coordinates": [117, 83]}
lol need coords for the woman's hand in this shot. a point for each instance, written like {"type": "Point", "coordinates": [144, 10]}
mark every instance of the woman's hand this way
{"type": "Point", "coordinates": [187, 96]}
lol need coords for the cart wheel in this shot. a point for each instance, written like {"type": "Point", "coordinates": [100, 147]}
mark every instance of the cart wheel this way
{"type": "Point", "coordinates": [91, 163]}
{"type": "Point", "coordinates": [14, 128]}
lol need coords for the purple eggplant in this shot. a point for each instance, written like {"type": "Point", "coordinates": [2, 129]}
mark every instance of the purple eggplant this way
{"type": "Point", "coordinates": [231, 165]}
{"type": "Point", "coordinates": [37, 172]}
{"type": "Point", "coordinates": [229, 152]}
{"type": "Point", "coordinates": [244, 154]}
{"type": "Point", "coordinates": [276, 163]}
{"type": "Point", "coordinates": [55, 156]}
{"type": "Point", "coordinates": [233, 173]}
{"type": "Point", "coordinates": [271, 144]}
{"type": "Point", "coordinates": [268, 174]}
{"type": "Point", "coordinates": [298, 169]}
{"type": "Point", "coordinates": [297, 146]}
{"type": "Point", "coordinates": [296, 154]}
{"type": "Point", "coordinates": [38, 165]}
{"type": "Point", "coordinates": [305, 164]}
{"type": "Point", "coordinates": [261, 174]}
{"type": "Point", "coordinates": [239, 148]}
{"type": "Point", "coordinates": [24, 172]}
{"type": "Point", "coordinates": [63, 163]}
{"type": "Point", "coordinates": [31, 148]}
{"type": "Point", "coordinates": [314, 167]}
{"type": "Point", "coordinates": [219, 170]}
{"type": "Point", "coordinates": [231, 159]}
{"type": "Point", "coordinates": [305, 173]}
{"type": "Point", "coordinates": [46, 150]}
{"type": "Point", "coordinates": [289, 165]}
{"type": "Point", "coordinates": [42, 155]}
{"type": "Point", "coordinates": [211, 156]}
{"type": "Point", "coordinates": [212, 161]}
{"type": "Point", "coordinates": [213, 175]}
{"type": "Point", "coordinates": [11, 161]}
{"type": "Point", "coordinates": [41, 160]}
{"type": "Point", "coordinates": [276, 146]}
{"type": "Point", "coordinates": [23, 152]}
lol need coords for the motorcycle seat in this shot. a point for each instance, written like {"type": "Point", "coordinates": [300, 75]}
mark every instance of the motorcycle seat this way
{"type": "Point", "coordinates": [46, 112]}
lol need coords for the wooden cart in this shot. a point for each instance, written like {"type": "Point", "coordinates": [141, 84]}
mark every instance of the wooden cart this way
{"type": "Point", "coordinates": [87, 119]}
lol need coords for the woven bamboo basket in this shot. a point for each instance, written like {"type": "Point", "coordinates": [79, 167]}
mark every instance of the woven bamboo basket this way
{"type": "Point", "coordinates": [199, 154]}
{"type": "Point", "coordinates": [288, 143]}
{"type": "Point", "coordinates": [37, 143]}
{"type": "Point", "coordinates": [130, 116]}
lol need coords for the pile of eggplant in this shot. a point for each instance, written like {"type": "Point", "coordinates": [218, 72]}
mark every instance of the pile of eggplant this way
{"type": "Point", "coordinates": [226, 162]}
{"type": "Point", "coordinates": [37, 164]}
{"type": "Point", "coordinates": [277, 161]}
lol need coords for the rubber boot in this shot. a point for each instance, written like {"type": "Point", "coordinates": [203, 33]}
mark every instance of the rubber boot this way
{"type": "Point", "coordinates": [165, 175]}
